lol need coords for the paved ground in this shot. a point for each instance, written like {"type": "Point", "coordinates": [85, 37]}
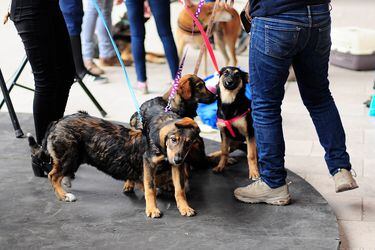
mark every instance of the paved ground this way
{"type": "Point", "coordinates": [103, 218]}
{"type": "Point", "coordinates": [355, 210]}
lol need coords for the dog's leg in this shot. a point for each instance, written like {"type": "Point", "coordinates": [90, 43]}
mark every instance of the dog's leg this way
{"type": "Point", "coordinates": [178, 178]}
{"type": "Point", "coordinates": [128, 187]}
{"type": "Point", "coordinates": [224, 152]}
{"type": "Point", "coordinates": [219, 41]}
{"type": "Point", "coordinates": [150, 190]}
{"type": "Point", "coordinates": [205, 62]}
{"type": "Point", "coordinates": [252, 158]}
{"type": "Point", "coordinates": [55, 178]}
{"type": "Point", "coordinates": [232, 51]}
{"type": "Point", "coordinates": [180, 45]}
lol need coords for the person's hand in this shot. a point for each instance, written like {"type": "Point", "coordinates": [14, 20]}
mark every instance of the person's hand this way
{"type": "Point", "coordinates": [146, 9]}
{"type": "Point", "coordinates": [118, 2]}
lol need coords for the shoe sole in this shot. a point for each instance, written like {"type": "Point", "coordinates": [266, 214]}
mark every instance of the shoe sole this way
{"type": "Point", "coordinates": [344, 188]}
{"type": "Point", "coordinates": [273, 201]}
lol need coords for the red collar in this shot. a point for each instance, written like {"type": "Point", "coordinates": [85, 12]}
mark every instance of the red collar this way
{"type": "Point", "coordinates": [228, 123]}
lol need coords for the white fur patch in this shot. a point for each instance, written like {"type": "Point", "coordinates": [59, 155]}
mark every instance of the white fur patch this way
{"type": "Point", "coordinates": [228, 96]}
{"type": "Point", "coordinates": [69, 197]}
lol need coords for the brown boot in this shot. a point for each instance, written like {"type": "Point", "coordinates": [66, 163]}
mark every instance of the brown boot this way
{"type": "Point", "coordinates": [93, 68]}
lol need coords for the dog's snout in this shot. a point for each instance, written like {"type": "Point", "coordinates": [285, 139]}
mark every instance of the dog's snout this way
{"type": "Point", "coordinates": [177, 160]}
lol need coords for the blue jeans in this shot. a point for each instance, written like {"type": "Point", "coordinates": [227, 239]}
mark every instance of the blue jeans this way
{"type": "Point", "coordinates": [73, 14]}
{"type": "Point", "coordinates": [300, 38]}
{"type": "Point", "coordinates": [90, 22]}
{"type": "Point", "coordinates": [161, 12]}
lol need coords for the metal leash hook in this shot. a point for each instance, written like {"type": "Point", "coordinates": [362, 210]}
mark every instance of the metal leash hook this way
{"type": "Point", "coordinates": [132, 94]}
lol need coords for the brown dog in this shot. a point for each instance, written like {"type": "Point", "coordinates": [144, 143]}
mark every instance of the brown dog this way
{"type": "Point", "coordinates": [226, 31]}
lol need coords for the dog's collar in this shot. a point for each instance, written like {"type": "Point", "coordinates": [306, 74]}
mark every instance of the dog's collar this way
{"type": "Point", "coordinates": [228, 123]}
{"type": "Point", "coordinates": [189, 29]}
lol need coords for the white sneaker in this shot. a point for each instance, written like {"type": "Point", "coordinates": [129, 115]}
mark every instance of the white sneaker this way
{"type": "Point", "coordinates": [344, 181]}
{"type": "Point", "coordinates": [260, 192]}
{"type": "Point", "coordinates": [89, 78]}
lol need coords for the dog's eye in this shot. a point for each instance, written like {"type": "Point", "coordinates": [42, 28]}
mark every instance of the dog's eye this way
{"type": "Point", "coordinates": [226, 73]}
{"type": "Point", "coordinates": [173, 139]}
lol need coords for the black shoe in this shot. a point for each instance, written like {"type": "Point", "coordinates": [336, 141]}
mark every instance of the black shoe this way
{"type": "Point", "coordinates": [40, 168]}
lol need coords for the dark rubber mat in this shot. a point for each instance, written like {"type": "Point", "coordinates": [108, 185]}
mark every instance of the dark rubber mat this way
{"type": "Point", "coordinates": [104, 218]}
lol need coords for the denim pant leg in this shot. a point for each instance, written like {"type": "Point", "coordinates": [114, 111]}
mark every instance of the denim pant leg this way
{"type": "Point", "coordinates": [88, 29]}
{"type": "Point", "coordinates": [270, 59]}
{"type": "Point", "coordinates": [138, 32]}
{"type": "Point", "coordinates": [161, 11]}
{"type": "Point", "coordinates": [72, 11]}
{"type": "Point", "coordinates": [105, 46]}
{"type": "Point", "coordinates": [311, 68]}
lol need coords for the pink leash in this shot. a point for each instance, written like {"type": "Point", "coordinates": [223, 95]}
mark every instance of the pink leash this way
{"type": "Point", "coordinates": [204, 35]}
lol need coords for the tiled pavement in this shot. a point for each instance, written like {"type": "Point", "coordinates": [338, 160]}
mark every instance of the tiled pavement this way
{"type": "Point", "coordinates": [355, 210]}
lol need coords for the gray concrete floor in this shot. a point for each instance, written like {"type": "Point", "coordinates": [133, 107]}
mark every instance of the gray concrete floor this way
{"type": "Point", "coordinates": [355, 210]}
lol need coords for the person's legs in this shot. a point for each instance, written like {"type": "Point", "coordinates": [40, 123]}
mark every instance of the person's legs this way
{"type": "Point", "coordinates": [38, 36]}
{"type": "Point", "coordinates": [161, 11]}
{"type": "Point", "coordinates": [87, 36]}
{"type": "Point", "coordinates": [88, 29]}
{"type": "Point", "coordinates": [73, 13]}
{"type": "Point", "coordinates": [272, 47]}
{"type": "Point", "coordinates": [64, 63]}
{"type": "Point", "coordinates": [311, 68]}
{"type": "Point", "coordinates": [106, 50]}
{"type": "Point", "coordinates": [138, 32]}
{"type": "Point", "coordinates": [271, 52]}
{"type": "Point", "coordinates": [46, 41]}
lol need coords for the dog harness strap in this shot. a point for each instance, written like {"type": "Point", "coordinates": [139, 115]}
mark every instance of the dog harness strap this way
{"type": "Point", "coordinates": [228, 123]}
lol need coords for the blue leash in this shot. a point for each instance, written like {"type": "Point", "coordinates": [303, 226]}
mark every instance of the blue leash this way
{"type": "Point", "coordinates": [135, 102]}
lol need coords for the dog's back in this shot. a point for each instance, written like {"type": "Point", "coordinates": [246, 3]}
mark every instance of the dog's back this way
{"type": "Point", "coordinates": [111, 148]}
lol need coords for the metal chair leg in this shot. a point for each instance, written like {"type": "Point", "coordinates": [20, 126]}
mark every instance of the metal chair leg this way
{"type": "Point", "coordinates": [12, 113]}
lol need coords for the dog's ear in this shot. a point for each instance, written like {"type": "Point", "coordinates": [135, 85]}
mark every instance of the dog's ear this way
{"type": "Point", "coordinates": [245, 77]}
{"type": "Point", "coordinates": [184, 87]}
{"type": "Point", "coordinates": [222, 70]}
{"type": "Point", "coordinates": [186, 122]}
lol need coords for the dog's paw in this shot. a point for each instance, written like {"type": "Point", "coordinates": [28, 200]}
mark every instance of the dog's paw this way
{"type": "Point", "coordinates": [218, 169]}
{"type": "Point", "coordinates": [69, 197]}
{"type": "Point", "coordinates": [187, 211]}
{"type": "Point", "coordinates": [254, 175]}
{"type": "Point", "coordinates": [66, 181]}
{"type": "Point", "coordinates": [153, 212]}
{"type": "Point", "coordinates": [128, 190]}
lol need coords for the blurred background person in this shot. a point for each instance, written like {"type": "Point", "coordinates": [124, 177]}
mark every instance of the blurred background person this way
{"type": "Point", "coordinates": [137, 9]}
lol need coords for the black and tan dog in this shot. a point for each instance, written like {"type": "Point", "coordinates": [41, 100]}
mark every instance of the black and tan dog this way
{"type": "Point", "coordinates": [113, 149]}
{"type": "Point", "coordinates": [234, 118]}
{"type": "Point", "coordinates": [191, 91]}
{"type": "Point", "coordinates": [175, 146]}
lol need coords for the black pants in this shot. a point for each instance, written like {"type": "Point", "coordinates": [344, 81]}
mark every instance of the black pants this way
{"type": "Point", "coordinates": [42, 29]}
